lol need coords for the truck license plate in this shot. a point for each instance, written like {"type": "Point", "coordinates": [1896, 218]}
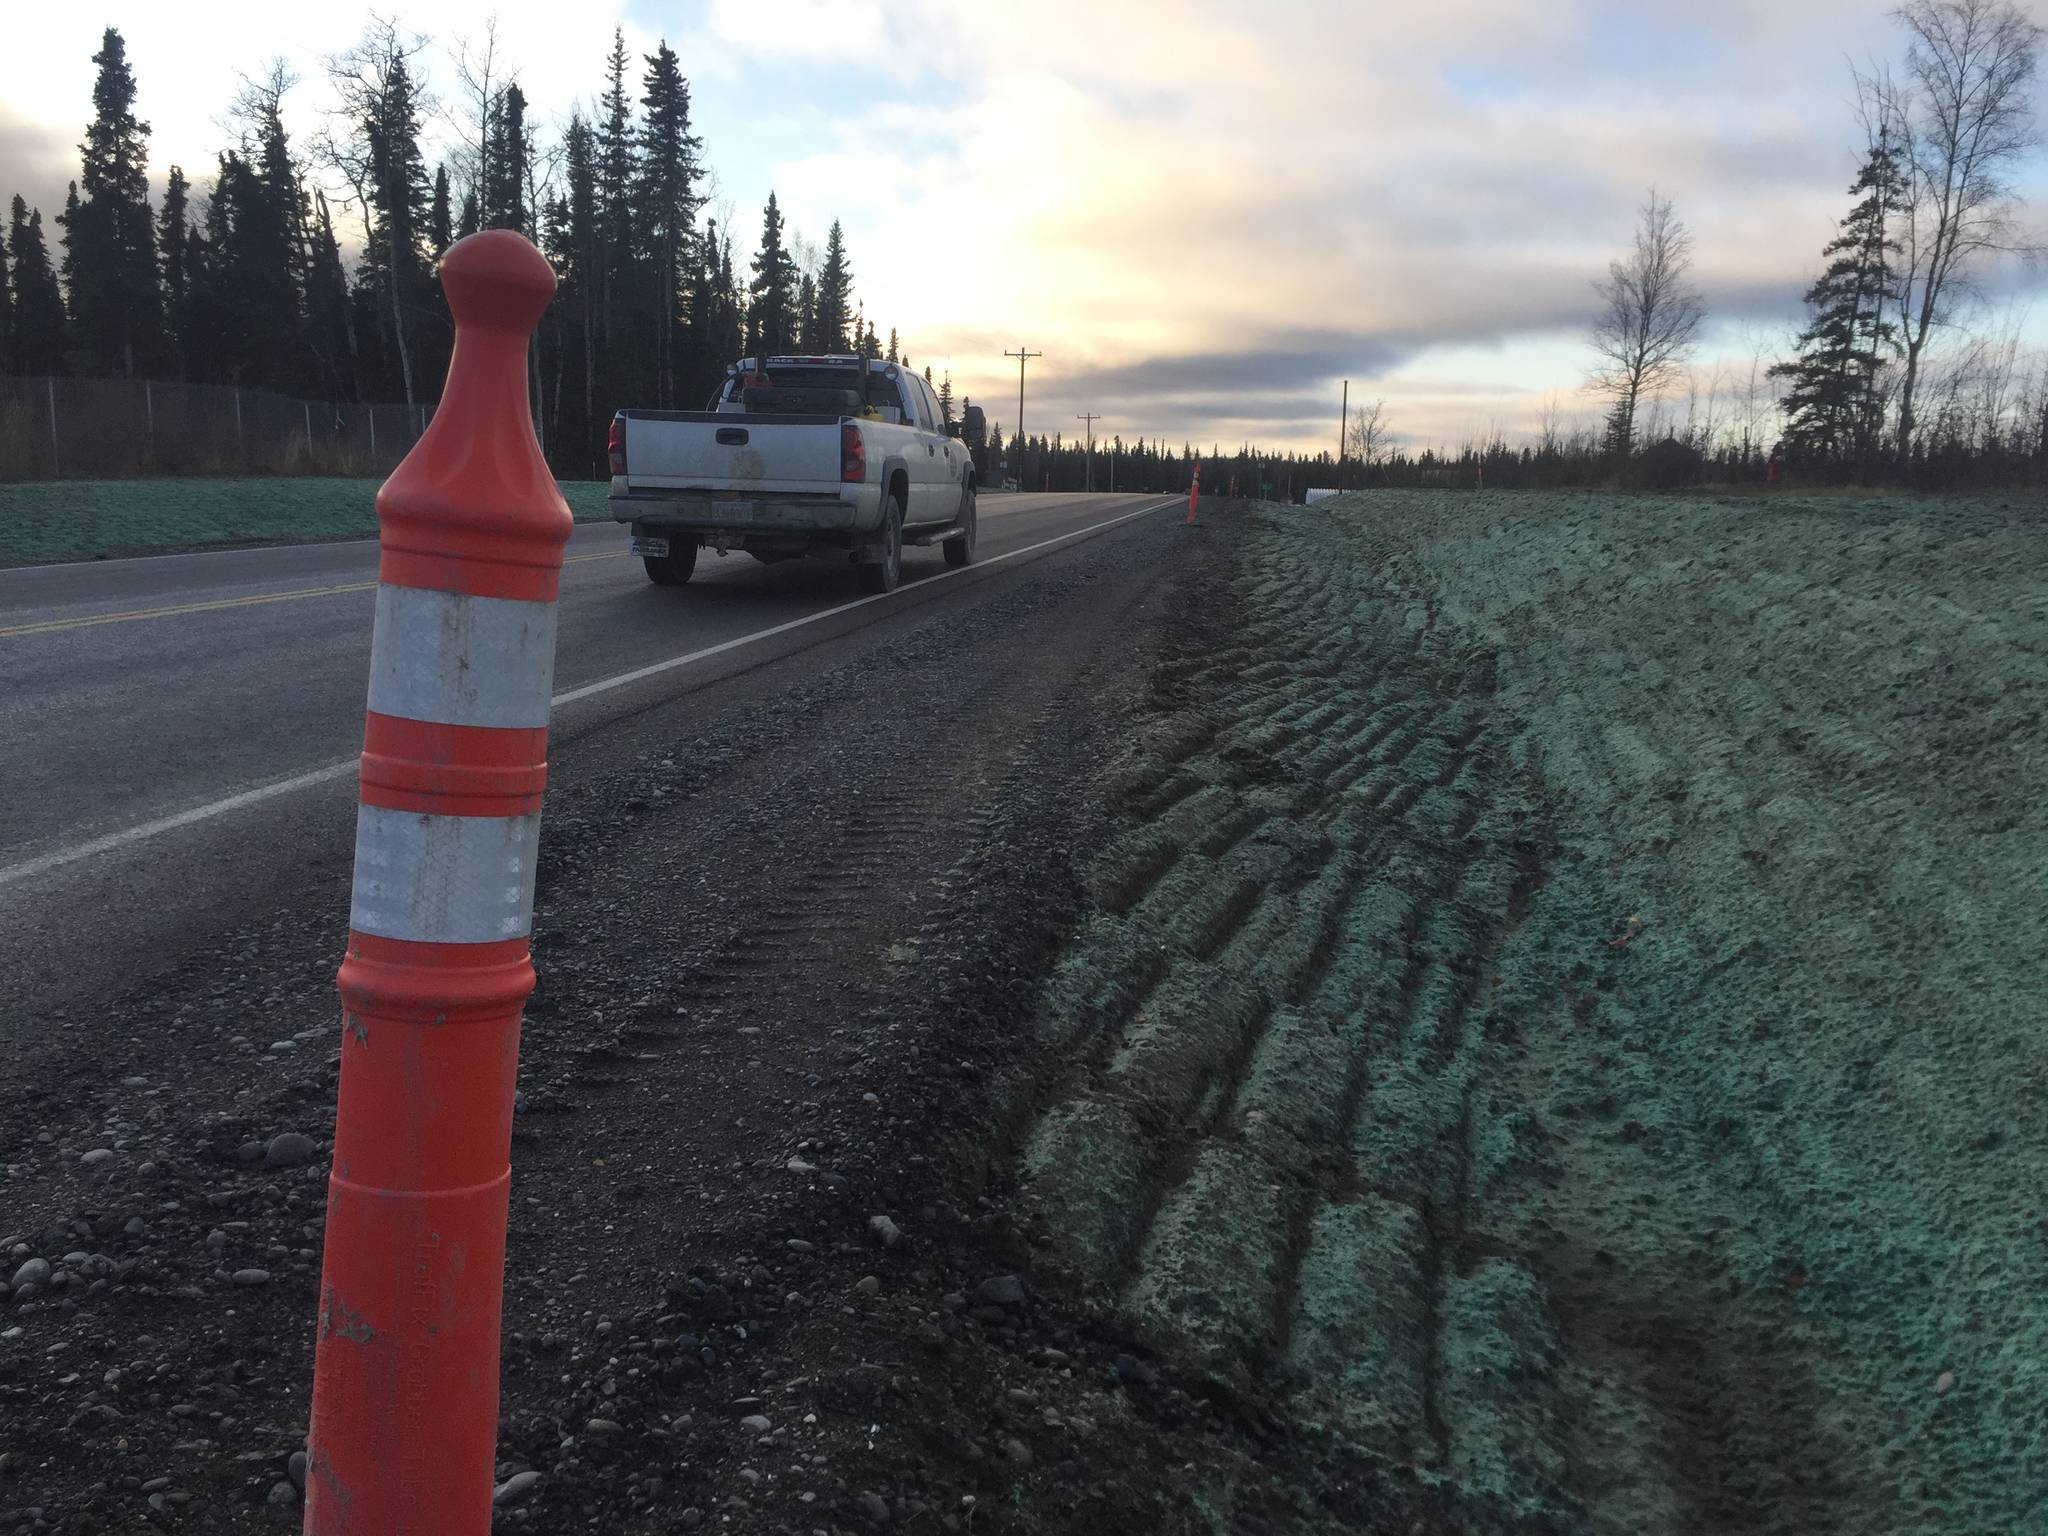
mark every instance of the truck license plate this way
{"type": "Point", "coordinates": [645, 545]}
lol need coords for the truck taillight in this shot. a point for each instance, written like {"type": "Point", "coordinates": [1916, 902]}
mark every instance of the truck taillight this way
{"type": "Point", "coordinates": [615, 446]}
{"type": "Point", "coordinates": [853, 454]}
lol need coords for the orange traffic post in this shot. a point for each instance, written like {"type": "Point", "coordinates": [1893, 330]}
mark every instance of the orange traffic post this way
{"type": "Point", "coordinates": [1194, 489]}
{"type": "Point", "coordinates": [438, 970]}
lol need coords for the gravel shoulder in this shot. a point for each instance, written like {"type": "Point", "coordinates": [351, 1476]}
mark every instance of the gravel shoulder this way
{"type": "Point", "coordinates": [1427, 1014]}
{"type": "Point", "coordinates": [757, 1275]}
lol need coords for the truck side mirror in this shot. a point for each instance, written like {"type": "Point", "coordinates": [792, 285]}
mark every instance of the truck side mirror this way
{"type": "Point", "coordinates": [952, 429]}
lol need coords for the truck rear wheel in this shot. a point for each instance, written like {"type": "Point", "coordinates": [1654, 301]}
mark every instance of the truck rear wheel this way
{"type": "Point", "coordinates": [885, 574]}
{"type": "Point", "coordinates": [960, 549]}
{"type": "Point", "coordinates": [673, 568]}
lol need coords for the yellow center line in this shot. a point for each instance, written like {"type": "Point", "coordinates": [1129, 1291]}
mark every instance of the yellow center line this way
{"type": "Point", "coordinates": [53, 626]}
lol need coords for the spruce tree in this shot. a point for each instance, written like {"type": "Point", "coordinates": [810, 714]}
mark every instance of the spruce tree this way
{"type": "Point", "coordinates": [263, 268]}
{"type": "Point", "coordinates": [665, 202]}
{"type": "Point", "coordinates": [894, 350]}
{"type": "Point", "coordinates": [578, 258]}
{"type": "Point", "coordinates": [399, 208]}
{"type": "Point", "coordinates": [196, 339]}
{"type": "Point", "coordinates": [615, 177]}
{"type": "Point", "coordinates": [66, 266]}
{"type": "Point", "coordinates": [732, 316]}
{"type": "Point", "coordinates": [110, 238]}
{"type": "Point", "coordinates": [771, 309]}
{"type": "Point", "coordinates": [37, 339]}
{"type": "Point", "coordinates": [329, 335]}
{"type": "Point", "coordinates": [240, 298]}
{"type": "Point", "coordinates": [700, 365]}
{"type": "Point", "coordinates": [284, 189]}
{"type": "Point", "coordinates": [1834, 407]}
{"type": "Point", "coordinates": [173, 268]}
{"type": "Point", "coordinates": [471, 218]}
{"type": "Point", "coordinates": [440, 220]}
{"type": "Point", "coordinates": [217, 341]}
{"type": "Point", "coordinates": [835, 295]}
{"type": "Point", "coordinates": [945, 397]}
{"type": "Point", "coordinates": [807, 316]}
{"type": "Point", "coordinates": [6, 317]}
{"type": "Point", "coordinates": [511, 155]}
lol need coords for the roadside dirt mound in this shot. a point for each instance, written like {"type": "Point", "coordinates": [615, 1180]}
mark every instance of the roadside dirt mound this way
{"type": "Point", "coordinates": [1562, 1010]}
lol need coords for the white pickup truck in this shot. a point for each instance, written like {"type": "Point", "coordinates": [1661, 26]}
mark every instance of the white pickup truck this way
{"type": "Point", "coordinates": [842, 457]}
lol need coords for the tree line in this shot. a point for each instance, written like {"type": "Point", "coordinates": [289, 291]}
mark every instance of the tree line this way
{"type": "Point", "coordinates": [1864, 390]}
{"type": "Point", "coordinates": [239, 277]}
{"type": "Point", "coordinates": [1884, 380]}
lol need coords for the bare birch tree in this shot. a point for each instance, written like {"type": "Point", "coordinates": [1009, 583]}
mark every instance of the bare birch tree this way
{"type": "Point", "coordinates": [1964, 116]}
{"type": "Point", "coordinates": [480, 76]}
{"type": "Point", "coordinates": [1366, 435]}
{"type": "Point", "coordinates": [1650, 318]}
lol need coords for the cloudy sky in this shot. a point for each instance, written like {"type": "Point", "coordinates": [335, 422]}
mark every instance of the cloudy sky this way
{"type": "Point", "coordinates": [1206, 213]}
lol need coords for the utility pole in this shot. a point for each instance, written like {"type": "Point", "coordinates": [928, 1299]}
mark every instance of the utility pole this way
{"type": "Point", "coordinates": [1022, 357]}
{"type": "Point", "coordinates": [1343, 421]}
{"type": "Point", "coordinates": [1091, 418]}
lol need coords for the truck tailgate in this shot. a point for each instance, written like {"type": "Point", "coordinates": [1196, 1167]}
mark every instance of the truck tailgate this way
{"type": "Point", "coordinates": [730, 452]}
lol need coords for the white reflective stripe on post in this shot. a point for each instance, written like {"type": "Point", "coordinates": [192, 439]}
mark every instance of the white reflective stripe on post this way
{"type": "Point", "coordinates": [452, 659]}
{"type": "Point", "coordinates": [444, 879]}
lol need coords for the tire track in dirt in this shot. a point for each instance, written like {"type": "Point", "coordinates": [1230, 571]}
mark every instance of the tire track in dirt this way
{"type": "Point", "coordinates": [1260, 1159]}
{"type": "Point", "coordinates": [821, 911]}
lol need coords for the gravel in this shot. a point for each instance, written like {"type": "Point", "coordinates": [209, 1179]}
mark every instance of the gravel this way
{"type": "Point", "coordinates": [515, 1487]}
{"type": "Point", "coordinates": [1001, 1291]}
{"type": "Point", "coordinates": [289, 1150]}
{"type": "Point", "coordinates": [34, 1272]}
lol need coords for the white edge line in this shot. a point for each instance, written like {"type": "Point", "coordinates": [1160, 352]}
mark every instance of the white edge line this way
{"type": "Point", "coordinates": [332, 771]}
{"type": "Point", "coordinates": [150, 829]}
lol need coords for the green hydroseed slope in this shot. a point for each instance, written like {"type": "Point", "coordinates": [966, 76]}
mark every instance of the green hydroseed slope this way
{"type": "Point", "coordinates": [1563, 1019]}
{"type": "Point", "coordinates": [49, 520]}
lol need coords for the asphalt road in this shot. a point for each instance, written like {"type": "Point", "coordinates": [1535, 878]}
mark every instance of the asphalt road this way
{"type": "Point", "coordinates": [796, 889]}
{"type": "Point", "coordinates": [177, 732]}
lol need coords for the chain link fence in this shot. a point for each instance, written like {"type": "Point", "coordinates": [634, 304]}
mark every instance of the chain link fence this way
{"type": "Point", "coordinates": [106, 429]}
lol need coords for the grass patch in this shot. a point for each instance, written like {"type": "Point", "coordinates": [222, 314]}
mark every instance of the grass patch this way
{"type": "Point", "coordinates": [50, 520]}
